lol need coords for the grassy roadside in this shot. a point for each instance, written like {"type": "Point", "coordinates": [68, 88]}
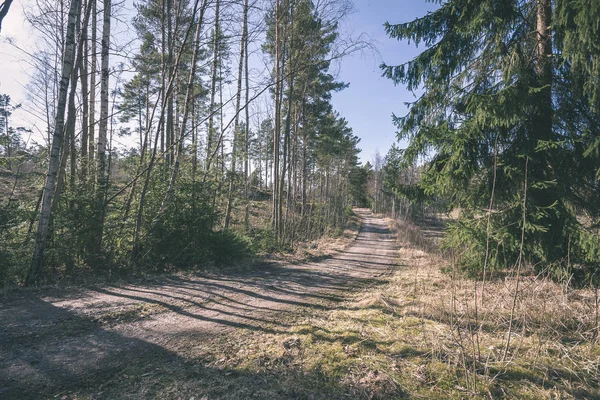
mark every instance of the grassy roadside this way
{"type": "Point", "coordinates": [335, 241]}
{"type": "Point", "coordinates": [419, 335]}
{"type": "Point", "coordinates": [414, 336]}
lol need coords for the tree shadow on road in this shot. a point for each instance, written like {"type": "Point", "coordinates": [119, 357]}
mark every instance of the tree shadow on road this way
{"type": "Point", "coordinates": [49, 352]}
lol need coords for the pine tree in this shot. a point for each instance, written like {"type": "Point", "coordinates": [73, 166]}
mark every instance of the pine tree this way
{"type": "Point", "coordinates": [299, 42]}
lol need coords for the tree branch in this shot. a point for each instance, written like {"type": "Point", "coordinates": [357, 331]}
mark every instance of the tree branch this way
{"type": "Point", "coordinates": [4, 10]}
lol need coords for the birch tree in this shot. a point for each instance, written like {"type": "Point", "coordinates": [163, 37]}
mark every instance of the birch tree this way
{"type": "Point", "coordinates": [37, 261]}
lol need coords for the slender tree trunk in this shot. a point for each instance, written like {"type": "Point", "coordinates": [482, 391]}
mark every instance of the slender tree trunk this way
{"type": "Point", "coordinates": [92, 123]}
{"type": "Point", "coordinates": [4, 7]}
{"type": "Point", "coordinates": [276, 133]}
{"type": "Point", "coordinates": [7, 132]}
{"type": "Point", "coordinates": [304, 166]}
{"type": "Point", "coordinates": [194, 143]}
{"type": "Point", "coordinates": [236, 127]}
{"type": "Point", "coordinates": [64, 157]}
{"type": "Point", "coordinates": [286, 149]}
{"type": "Point", "coordinates": [153, 156]}
{"type": "Point", "coordinates": [267, 152]}
{"type": "Point", "coordinates": [85, 101]}
{"type": "Point", "coordinates": [102, 172]}
{"type": "Point", "coordinates": [213, 88]}
{"type": "Point", "coordinates": [144, 148]}
{"type": "Point", "coordinates": [68, 145]}
{"type": "Point", "coordinates": [286, 138]}
{"type": "Point", "coordinates": [163, 63]}
{"type": "Point", "coordinates": [247, 130]}
{"type": "Point", "coordinates": [169, 67]}
{"type": "Point", "coordinates": [187, 106]}
{"type": "Point", "coordinates": [73, 148]}
{"type": "Point", "coordinates": [72, 111]}
{"type": "Point", "coordinates": [37, 261]}
{"type": "Point", "coordinates": [542, 163]}
{"type": "Point", "coordinates": [221, 138]}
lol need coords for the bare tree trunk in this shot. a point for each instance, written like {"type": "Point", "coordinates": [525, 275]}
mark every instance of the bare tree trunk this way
{"type": "Point", "coordinates": [286, 150]}
{"type": "Point", "coordinates": [220, 140]}
{"type": "Point", "coordinates": [69, 138]}
{"type": "Point", "coordinates": [247, 130]}
{"type": "Point", "coordinates": [5, 104]}
{"type": "Point", "coordinates": [286, 138]}
{"type": "Point", "coordinates": [4, 7]}
{"type": "Point", "coordinates": [213, 88]}
{"type": "Point", "coordinates": [267, 152]}
{"type": "Point", "coordinates": [194, 127]}
{"type": "Point", "coordinates": [153, 156]}
{"type": "Point", "coordinates": [276, 133]}
{"type": "Point", "coordinates": [163, 75]}
{"type": "Point", "coordinates": [290, 208]}
{"type": "Point", "coordinates": [72, 111]}
{"type": "Point", "coordinates": [194, 143]}
{"type": "Point", "coordinates": [64, 156]}
{"type": "Point", "coordinates": [169, 67]}
{"type": "Point", "coordinates": [92, 124]}
{"type": "Point", "coordinates": [102, 172]}
{"type": "Point", "coordinates": [84, 99]}
{"type": "Point", "coordinates": [37, 261]}
{"type": "Point", "coordinates": [187, 105]}
{"type": "Point", "coordinates": [304, 167]}
{"type": "Point", "coordinates": [236, 125]}
{"type": "Point", "coordinates": [73, 148]}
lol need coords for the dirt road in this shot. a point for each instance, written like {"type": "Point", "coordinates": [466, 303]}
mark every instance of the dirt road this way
{"type": "Point", "coordinates": [78, 344]}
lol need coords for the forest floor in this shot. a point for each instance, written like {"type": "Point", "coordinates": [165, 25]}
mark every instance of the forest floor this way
{"type": "Point", "coordinates": [379, 318]}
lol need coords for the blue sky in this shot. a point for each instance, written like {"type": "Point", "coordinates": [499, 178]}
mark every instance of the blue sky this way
{"type": "Point", "coordinates": [367, 104]}
{"type": "Point", "coordinates": [370, 100]}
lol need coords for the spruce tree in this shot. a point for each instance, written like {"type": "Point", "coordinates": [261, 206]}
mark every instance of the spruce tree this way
{"type": "Point", "coordinates": [493, 121]}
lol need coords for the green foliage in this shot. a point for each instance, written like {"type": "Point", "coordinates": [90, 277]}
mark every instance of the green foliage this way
{"type": "Point", "coordinates": [184, 236]}
{"type": "Point", "coordinates": [14, 251]}
{"type": "Point", "coordinates": [263, 241]}
{"type": "Point", "coordinates": [500, 118]}
{"type": "Point", "coordinates": [358, 186]}
{"type": "Point", "coordinates": [159, 207]}
{"type": "Point", "coordinates": [73, 229]}
{"type": "Point", "coordinates": [228, 248]}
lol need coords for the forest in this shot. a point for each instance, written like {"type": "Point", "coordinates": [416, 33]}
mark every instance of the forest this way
{"type": "Point", "coordinates": [191, 197]}
{"type": "Point", "coordinates": [206, 136]}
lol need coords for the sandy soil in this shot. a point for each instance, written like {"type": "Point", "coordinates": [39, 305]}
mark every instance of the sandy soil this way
{"type": "Point", "coordinates": [55, 342]}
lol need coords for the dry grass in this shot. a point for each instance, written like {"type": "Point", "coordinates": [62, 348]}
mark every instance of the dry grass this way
{"type": "Point", "coordinates": [419, 335]}
{"type": "Point", "coordinates": [416, 335]}
{"type": "Point", "coordinates": [333, 242]}
{"type": "Point", "coordinates": [552, 354]}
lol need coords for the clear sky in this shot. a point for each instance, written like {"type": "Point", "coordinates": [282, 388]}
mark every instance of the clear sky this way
{"type": "Point", "coordinates": [370, 100]}
{"type": "Point", "coordinates": [13, 66]}
{"type": "Point", "coordinates": [367, 104]}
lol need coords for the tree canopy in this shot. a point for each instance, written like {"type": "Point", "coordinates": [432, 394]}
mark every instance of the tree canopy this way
{"type": "Point", "coordinates": [507, 121]}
